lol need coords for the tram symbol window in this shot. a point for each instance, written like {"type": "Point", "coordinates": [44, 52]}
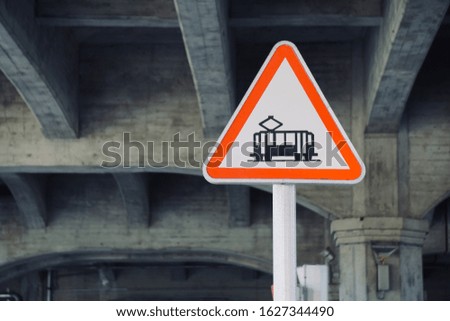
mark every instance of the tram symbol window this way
{"type": "Point", "coordinates": [282, 145]}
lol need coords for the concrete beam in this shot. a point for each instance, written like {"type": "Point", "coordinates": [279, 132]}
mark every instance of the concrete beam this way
{"type": "Point", "coordinates": [142, 13]}
{"type": "Point", "coordinates": [114, 21]}
{"type": "Point", "coordinates": [239, 205]}
{"type": "Point", "coordinates": [306, 201]}
{"type": "Point", "coordinates": [313, 9]}
{"type": "Point", "coordinates": [135, 195]}
{"type": "Point", "coordinates": [330, 34]}
{"type": "Point", "coordinates": [205, 34]}
{"type": "Point", "coordinates": [395, 53]}
{"type": "Point", "coordinates": [428, 118]}
{"type": "Point", "coordinates": [42, 65]}
{"type": "Point", "coordinates": [107, 13]}
{"type": "Point", "coordinates": [152, 22]}
{"type": "Point", "coordinates": [160, 9]}
{"type": "Point", "coordinates": [29, 193]}
{"type": "Point", "coordinates": [306, 21]}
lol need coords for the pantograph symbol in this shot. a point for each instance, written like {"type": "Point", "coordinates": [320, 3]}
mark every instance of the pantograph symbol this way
{"type": "Point", "coordinates": [282, 145]}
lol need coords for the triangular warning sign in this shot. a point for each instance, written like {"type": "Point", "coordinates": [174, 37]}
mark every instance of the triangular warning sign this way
{"type": "Point", "coordinates": [284, 131]}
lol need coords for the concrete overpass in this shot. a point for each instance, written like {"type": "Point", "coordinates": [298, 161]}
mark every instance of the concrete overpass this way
{"type": "Point", "coordinates": [78, 75]}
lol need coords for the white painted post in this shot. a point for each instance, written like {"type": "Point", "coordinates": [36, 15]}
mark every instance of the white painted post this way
{"type": "Point", "coordinates": [284, 242]}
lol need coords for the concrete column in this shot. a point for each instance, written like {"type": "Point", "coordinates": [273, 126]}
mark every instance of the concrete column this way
{"type": "Point", "coordinates": [380, 258]}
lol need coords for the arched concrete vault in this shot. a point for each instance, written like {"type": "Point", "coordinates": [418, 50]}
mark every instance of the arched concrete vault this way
{"type": "Point", "coordinates": [51, 260]}
{"type": "Point", "coordinates": [87, 213]}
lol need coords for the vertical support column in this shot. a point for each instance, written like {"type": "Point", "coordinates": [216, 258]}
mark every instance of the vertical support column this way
{"type": "Point", "coordinates": [367, 243]}
{"type": "Point", "coordinates": [352, 269]}
{"type": "Point", "coordinates": [239, 205]}
{"type": "Point", "coordinates": [411, 273]}
{"type": "Point", "coordinates": [284, 242]}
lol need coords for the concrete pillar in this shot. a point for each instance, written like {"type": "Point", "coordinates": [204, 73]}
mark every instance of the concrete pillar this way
{"type": "Point", "coordinates": [380, 253]}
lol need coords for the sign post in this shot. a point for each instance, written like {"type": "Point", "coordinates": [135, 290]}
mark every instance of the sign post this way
{"type": "Point", "coordinates": [284, 242]}
{"type": "Point", "coordinates": [283, 133]}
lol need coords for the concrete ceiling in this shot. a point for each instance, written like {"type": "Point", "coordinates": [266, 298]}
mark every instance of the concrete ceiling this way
{"type": "Point", "coordinates": [77, 74]}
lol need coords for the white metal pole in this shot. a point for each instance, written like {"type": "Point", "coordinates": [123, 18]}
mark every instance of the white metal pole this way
{"type": "Point", "coordinates": [284, 242]}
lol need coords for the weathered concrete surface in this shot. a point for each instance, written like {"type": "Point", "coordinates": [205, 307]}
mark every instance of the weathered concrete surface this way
{"type": "Point", "coordinates": [157, 276]}
{"type": "Point", "coordinates": [428, 116]}
{"type": "Point", "coordinates": [382, 175]}
{"type": "Point", "coordinates": [103, 8]}
{"type": "Point", "coordinates": [202, 282]}
{"type": "Point", "coordinates": [239, 206]}
{"type": "Point", "coordinates": [137, 83]}
{"type": "Point", "coordinates": [411, 273]}
{"type": "Point", "coordinates": [86, 214]}
{"type": "Point", "coordinates": [135, 194]}
{"type": "Point", "coordinates": [407, 172]}
{"type": "Point", "coordinates": [42, 63]}
{"type": "Point", "coordinates": [151, 106]}
{"type": "Point", "coordinates": [205, 33]}
{"type": "Point", "coordinates": [394, 58]}
{"type": "Point", "coordinates": [267, 8]}
{"type": "Point", "coordinates": [248, 14]}
{"type": "Point", "coordinates": [110, 107]}
{"type": "Point", "coordinates": [364, 243]}
{"type": "Point", "coordinates": [429, 156]}
{"type": "Point", "coordinates": [358, 118]}
{"type": "Point", "coordinates": [438, 240]}
{"type": "Point", "coordinates": [101, 13]}
{"type": "Point", "coordinates": [30, 195]}
{"type": "Point", "coordinates": [254, 14]}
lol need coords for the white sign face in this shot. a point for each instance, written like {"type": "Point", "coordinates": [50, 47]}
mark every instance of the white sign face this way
{"type": "Point", "coordinates": [285, 104]}
{"type": "Point", "coordinates": [284, 131]}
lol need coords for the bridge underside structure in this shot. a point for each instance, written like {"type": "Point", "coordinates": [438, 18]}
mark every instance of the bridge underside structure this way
{"type": "Point", "coordinates": [97, 204]}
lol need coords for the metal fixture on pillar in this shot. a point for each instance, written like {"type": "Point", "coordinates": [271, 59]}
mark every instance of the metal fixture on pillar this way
{"type": "Point", "coordinates": [381, 252]}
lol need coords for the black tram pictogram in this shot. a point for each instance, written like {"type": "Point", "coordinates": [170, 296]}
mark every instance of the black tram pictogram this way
{"type": "Point", "coordinates": [282, 145]}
